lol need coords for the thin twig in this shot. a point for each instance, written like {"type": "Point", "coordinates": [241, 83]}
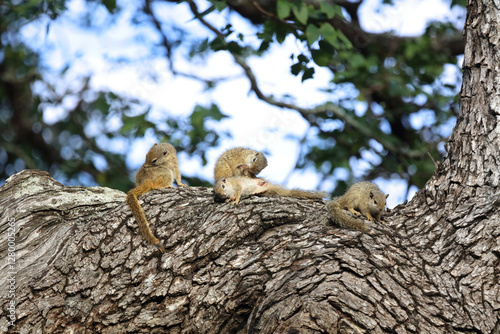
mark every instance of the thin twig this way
{"type": "Point", "coordinates": [169, 46]}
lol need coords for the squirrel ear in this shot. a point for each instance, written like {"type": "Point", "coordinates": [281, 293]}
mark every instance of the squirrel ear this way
{"type": "Point", "coordinates": [371, 194]}
{"type": "Point", "coordinates": [155, 144]}
{"type": "Point", "coordinates": [386, 195]}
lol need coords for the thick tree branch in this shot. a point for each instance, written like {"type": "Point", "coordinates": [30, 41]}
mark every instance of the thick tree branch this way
{"type": "Point", "coordinates": [268, 265]}
{"type": "Point", "coordinates": [386, 44]}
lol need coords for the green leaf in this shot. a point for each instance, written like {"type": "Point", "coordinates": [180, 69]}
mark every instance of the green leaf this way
{"type": "Point", "coordinates": [281, 32]}
{"type": "Point", "coordinates": [268, 31]}
{"type": "Point", "coordinates": [312, 33]}
{"type": "Point", "coordinates": [215, 113]}
{"type": "Point", "coordinates": [218, 44]}
{"type": "Point", "coordinates": [110, 5]}
{"type": "Point", "coordinates": [357, 61]}
{"type": "Point", "coordinates": [308, 73]}
{"type": "Point", "coordinates": [300, 12]}
{"type": "Point", "coordinates": [283, 9]}
{"type": "Point", "coordinates": [328, 9]}
{"type": "Point", "coordinates": [220, 5]}
{"type": "Point", "coordinates": [136, 125]}
{"type": "Point", "coordinates": [303, 59]}
{"type": "Point", "coordinates": [323, 55]}
{"type": "Point", "coordinates": [344, 39]}
{"type": "Point", "coordinates": [329, 33]}
{"type": "Point", "coordinates": [264, 46]}
{"type": "Point", "coordinates": [296, 68]}
{"type": "Point", "coordinates": [320, 57]}
{"type": "Point", "coordinates": [461, 3]}
{"type": "Point", "coordinates": [234, 47]}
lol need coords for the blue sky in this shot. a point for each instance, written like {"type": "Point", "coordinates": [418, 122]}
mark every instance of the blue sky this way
{"type": "Point", "coordinates": [253, 123]}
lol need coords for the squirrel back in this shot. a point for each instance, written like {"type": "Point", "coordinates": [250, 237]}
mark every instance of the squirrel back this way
{"type": "Point", "coordinates": [362, 198]}
{"type": "Point", "coordinates": [227, 164]}
{"type": "Point", "coordinates": [158, 171]}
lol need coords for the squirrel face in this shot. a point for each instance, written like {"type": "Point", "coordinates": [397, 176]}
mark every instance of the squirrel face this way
{"type": "Point", "coordinates": [223, 189]}
{"type": "Point", "coordinates": [161, 158]}
{"type": "Point", "coordinates": [160, 154]}
{"type": "Point", "coordinates": [377, 201]}
{"type": "Point", "coordinates": [256, 162]}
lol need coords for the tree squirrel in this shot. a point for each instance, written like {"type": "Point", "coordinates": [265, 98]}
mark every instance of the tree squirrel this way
{"type": "Point", "coordinates": [233, 188]}
{"type": "Point", "coordinates": [227, 164]}
{"type": "Point", "coordinates": [158, 171]}
{"type": "Point", "coordinates": [363, 198]}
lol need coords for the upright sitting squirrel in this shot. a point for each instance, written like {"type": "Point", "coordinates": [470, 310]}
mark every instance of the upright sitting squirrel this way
{"type": "Point", "coordinates": [158, 171]}
{"type": "Point", "coordinates": [363, 198]}
{"type": "Point", "coordinates": [227, 164]}
{"type": "Point", "coordinates": [234, 187]}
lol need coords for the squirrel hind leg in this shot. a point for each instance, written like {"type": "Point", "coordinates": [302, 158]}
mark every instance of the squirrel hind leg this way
{"type": "Point", "coordinates": [354, 212]}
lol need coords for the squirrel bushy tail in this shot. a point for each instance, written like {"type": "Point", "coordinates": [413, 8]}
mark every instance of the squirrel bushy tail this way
{"type": "Point", "coordinates": [297, 193]}
{"type": "Point", "coordinates": [341, 217]}
{"type": "Point", "coordinates": [139, 215]}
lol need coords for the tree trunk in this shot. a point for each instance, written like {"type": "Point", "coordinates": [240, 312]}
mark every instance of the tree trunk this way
{"type": "Point", "coordinates": [72, 260]}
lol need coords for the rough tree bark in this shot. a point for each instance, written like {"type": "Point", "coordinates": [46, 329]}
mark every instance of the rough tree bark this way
{"type": "Point", "coordinates": [269, 265]}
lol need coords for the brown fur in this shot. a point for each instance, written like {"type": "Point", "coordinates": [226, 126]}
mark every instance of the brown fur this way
{"type": "Point", "coordinates": [158, 171]}
{"type": "Point", "coordinates": [363, 198]}
{"type": "Point", "coordinates": [233, 188]}
{"type": "Point", "coordinates": [229, 161]}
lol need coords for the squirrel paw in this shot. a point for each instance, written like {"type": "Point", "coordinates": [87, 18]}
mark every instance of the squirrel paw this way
{"type": "Point", "coordinates": [354, 212]}
{"type": "Point", "coordinates": [232, 200]}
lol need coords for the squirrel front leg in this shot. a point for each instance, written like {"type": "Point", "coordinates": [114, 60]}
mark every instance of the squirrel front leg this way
{"type": "Point", "coordinates": [178, 178]}
{"type": "Point", "coordinates": [237, 194]}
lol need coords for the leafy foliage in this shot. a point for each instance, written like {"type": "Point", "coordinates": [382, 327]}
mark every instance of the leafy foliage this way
{"type": "Point", "coordinates": [394, 82]}
{"type": "Point", "coordinates": [391, 80]}
{"type": "Point", "coordinates": [80, 147]}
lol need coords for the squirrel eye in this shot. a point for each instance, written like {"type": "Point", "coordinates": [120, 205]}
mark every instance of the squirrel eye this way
{"type": "Point", "coordinates": [223, 186]}
{"type": "Point", "coordinates": [254, 159]}
{"type": "Point", "coordinates": [154, 160]}
{"type": "Point", "coordinates": [375, 201]}
{"type": "Point", "coordinates": [165, 152]}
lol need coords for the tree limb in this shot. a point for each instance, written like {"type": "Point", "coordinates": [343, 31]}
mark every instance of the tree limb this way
{"type": "Point", "coordinates": [268, 265]}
